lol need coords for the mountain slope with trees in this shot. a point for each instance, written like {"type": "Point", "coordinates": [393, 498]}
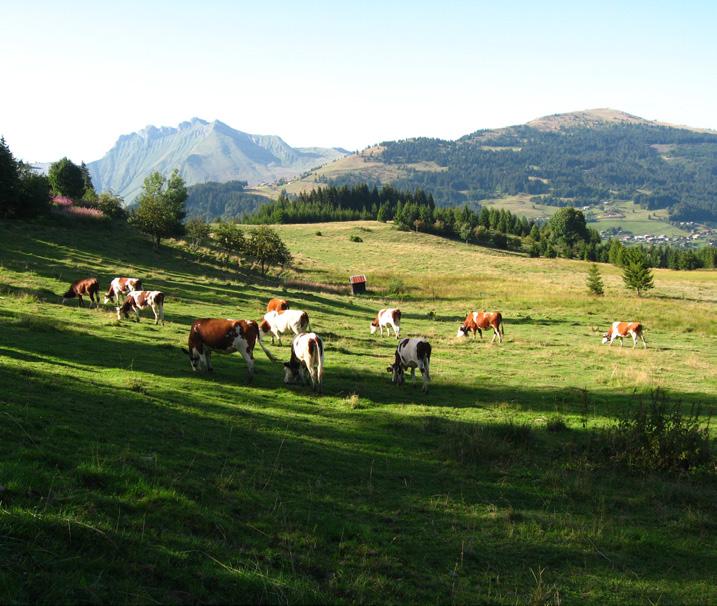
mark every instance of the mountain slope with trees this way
{"type": "Point", "coordinates": [576, 159]}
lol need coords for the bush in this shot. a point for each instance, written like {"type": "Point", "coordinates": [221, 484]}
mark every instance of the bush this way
{"type": "Point", "coordinates": [355, 239]}
{"type": "Point", "coordinates": [656, 437]}
{"type": "Point", "coordinates": [396, 287]}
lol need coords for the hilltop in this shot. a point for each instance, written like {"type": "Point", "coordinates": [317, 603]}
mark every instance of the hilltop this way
{"type": "Point", "coordinates": [583, 158]}
{"type": "Point", "coordinates": [202, 151]}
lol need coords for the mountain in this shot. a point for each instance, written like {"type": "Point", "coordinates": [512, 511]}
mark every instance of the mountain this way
{"type": "Point", "coordinates": [579, 158]}
{"type": "Point", "coordinates": [202, 151]}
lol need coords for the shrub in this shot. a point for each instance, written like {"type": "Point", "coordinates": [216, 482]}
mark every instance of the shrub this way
{"type": "Point", "coordinates": [556, 424]}
{"type": "Point", "coordinates": [318, 233]}
{"type": "Point", "coordinates": [656, 437]}
{"type": "Point", "coordinates": [355, 239]}
{"type": "Point", "coordinates": [396, 287]}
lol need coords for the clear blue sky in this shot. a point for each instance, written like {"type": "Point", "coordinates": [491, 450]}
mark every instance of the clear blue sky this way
{"type": "Point", "coordinates": [76, 75]}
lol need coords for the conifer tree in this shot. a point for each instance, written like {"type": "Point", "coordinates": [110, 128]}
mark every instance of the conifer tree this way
{"type": "Point", "coordinates": [594, 282]}
{"type": "Point", "coordinates": [636, 273]}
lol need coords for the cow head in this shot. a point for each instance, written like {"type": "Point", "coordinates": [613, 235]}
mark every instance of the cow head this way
{"type": "Point", "coordinates": [109, 298]}
{"type": "Point", "coordinates": [264, 327]}
{"type": "Point", "coordinates": [123, 310]}
{"type": "Point", "coordinates": [374, 325]}
{"type": "Point", "coordinates": [193, 358]}
{"type": "Point", "coordinates": [462, 331]}
{"type": "Point", "coordinates": [397, 374]}
{"type": "Point", "coordinates": [292, 371]}
{"type": "Point", "coordinates": [70, 294]}
{"type": "Point", "coordinates": [605, 338]}
{"type": "Point", "coordinates": [135, 284]}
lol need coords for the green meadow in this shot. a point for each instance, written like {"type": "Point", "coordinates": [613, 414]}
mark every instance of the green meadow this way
{"type": "Point", "coordinates": [127, 478]}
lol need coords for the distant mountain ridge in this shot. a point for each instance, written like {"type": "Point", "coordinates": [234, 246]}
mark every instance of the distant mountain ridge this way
{"type": "Point", "coordinates": [202, 151]}
{"type": "Point", "coordinates": [582, 158]}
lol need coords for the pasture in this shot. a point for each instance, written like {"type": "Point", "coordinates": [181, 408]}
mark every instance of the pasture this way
{"type": "Point", "coordinates": [126, 478]}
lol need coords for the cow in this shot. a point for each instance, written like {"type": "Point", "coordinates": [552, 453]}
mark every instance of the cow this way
{"type": "Point", "coordinates": [276, 323]}
{"type": "Point", "coordinates": [141, 299]}
{"type": "Point", "coordinates": [619, 330]}
{"type": "Point", "coordinates": [412, 353]}
{"type": "Point", "coordinates": [278, 305]}
{"type": "Point", "coordinates": [389, 318]}
{"type": "Point", "coordinates": [478, 321]}
{"type": "Point", "coordinates": [224, 336]}
{"type": "Point", "coordinates": [120, 286]}
{"type": "Point", "coordinates": [88, 287]}
{"type": "Point", "coordinates": [307, 355]}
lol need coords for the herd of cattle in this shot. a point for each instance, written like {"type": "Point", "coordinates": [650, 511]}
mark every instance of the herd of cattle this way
{"type": "Point", "coordinates": [307, 349]}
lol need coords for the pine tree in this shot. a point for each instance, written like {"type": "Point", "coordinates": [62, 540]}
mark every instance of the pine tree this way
{"type": "Point", "coordinates": [594, 282]}
{"type": "Point", "coordinates": [636, 273]}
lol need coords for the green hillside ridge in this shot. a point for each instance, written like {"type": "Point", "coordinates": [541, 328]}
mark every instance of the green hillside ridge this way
{"type": "Point", "coordinates": [126, 478]}
{"type": "Point", "coordinates": [579, 158]}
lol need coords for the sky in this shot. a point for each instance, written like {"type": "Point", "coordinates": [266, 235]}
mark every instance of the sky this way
{"type": "Point", "coordinates": [76, 75]}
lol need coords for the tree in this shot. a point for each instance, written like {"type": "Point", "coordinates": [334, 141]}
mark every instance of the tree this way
{"type": "Point", "coordinates": [160, 208]}
{"type": "Point", "coordinates": [266, 247]}
{"type": "Point", "coordinates": [196, 231]}
{"type": "Point", "coordinates": [89, 194]}
{"type": "Point", "coordinates": [230, 238]}
{"type": "Point", "coordinates": [111, 205]}
{"type": "Point", "coordinates": [66, 179]}
{"type": "Point", "coordinates": [594, 281]}
{"type": "Point", "coordinates": [636, 273]}
{"type": "Point", "coordinates": [465, 231]}
{"type": "Point", "coordinates": [9, 181]}
{"type": "Point", "coordinates": [568, 225]}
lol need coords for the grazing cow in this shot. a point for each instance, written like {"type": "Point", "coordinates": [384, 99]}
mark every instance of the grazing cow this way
{"type": "Point", "coordinates": [278, 305]}
{"type": "Point", "coordinates": [120, 286]}
{"type": "Point", "coordinates": [478, 321]}
{"type": "Point", "coordinates": [389, 318]}
{"type": "Point", "coordinates": [412, 353]}
{"type": "Point", "coordinates": [88, 287]}
{"type": "Point", "coordinates": [307, 355]}
{"type": "Point", "coordinates": [141, 299]}
{"type": "Point", "coordinates": [619, 330]}
{"type": "Point", "coordinates": [225, 336]}
{"type": "Point", "coordinates": [276, 323]}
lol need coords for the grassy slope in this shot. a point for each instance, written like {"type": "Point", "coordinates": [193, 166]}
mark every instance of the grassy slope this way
{"type": "Point", "coordinates": [129, 479]}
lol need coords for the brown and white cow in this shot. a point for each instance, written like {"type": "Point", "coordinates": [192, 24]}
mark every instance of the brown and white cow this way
{"type": "Point", "coordinates": [620, 330]}
{"type": "Point", "coordinates": [142, 299]}
{"type": "Point", "coordinates": [120, 286]}
{"type": "Point", "coordinates": [307, 356]}
{"type": "Point", "coordinates": [387, 318]}
{"type": "Point", "coordinates": [478, 321]}
{"type": "Point", "coordinates": [88, 287]}
{"type": "Point", "coordinates": [224, 336]}
{"type": "Point", "coordinates": [291, 320]}
{"type": "Point", "coordinates": [278, 305]}
{"type": "Point", "coordinates": [412, 353]}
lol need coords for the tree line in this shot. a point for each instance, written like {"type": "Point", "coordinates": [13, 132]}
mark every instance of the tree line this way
{"type": "Point", "coordinates": [566, 234]}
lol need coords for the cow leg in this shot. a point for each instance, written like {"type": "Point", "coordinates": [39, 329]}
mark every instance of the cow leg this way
{"type": "Point", "coordinates": [246, 354]}
{"type": "Point", "coordinates": [136, 313]}
{"type": "Point", "coordinates": [495, 334]}
{"type": "Point", "coordinates": [161, 313]}
{"type": "Point", "coordinates": [79, 300]}
{"type": "Point", "coordinates": [425, 375]}
{"type": "Point", "coordinates": [644, 343]}
{"type": "Point", "coordinates": [156, 314]}
{"type": "Point", "coordinates": [634, 339]}
{"type": "Point", "coordinates": [413, 373]}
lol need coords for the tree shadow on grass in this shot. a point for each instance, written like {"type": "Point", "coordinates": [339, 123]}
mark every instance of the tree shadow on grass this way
{"type": "Point", "coordinates": [181, 488]}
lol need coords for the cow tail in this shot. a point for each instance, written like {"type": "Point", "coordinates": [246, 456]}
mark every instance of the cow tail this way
{"type": "Point", "coordinates": [263, 347]}
{"type": "Point", "coordinates": [320, 362]}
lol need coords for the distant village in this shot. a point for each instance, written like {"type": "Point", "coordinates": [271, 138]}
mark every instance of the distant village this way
{"type": "Point", "coordinates": [697, 234]}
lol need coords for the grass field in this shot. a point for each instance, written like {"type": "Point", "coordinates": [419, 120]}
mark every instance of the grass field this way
{"type": "Point", "coordinates": [126, 478]}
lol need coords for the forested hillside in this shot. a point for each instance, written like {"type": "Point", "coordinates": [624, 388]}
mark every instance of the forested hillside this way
{"type": "Point", "coordinates": [222, 200]}
{"type": "Point", "coordinates": [561, 161]}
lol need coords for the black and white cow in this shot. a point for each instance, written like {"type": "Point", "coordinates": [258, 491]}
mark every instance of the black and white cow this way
{"type": "Point", "coordinates": [412, 353]}
{"type": "Point", "coordinates": [307, 355]}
